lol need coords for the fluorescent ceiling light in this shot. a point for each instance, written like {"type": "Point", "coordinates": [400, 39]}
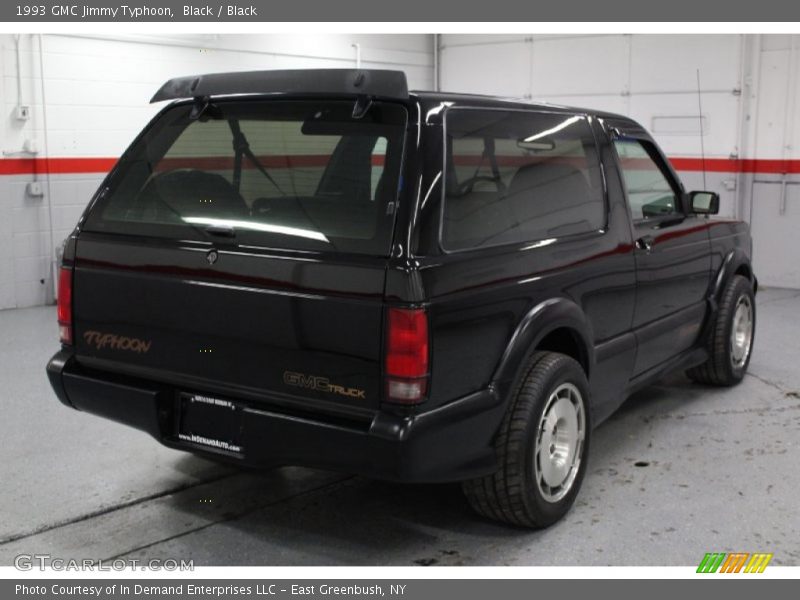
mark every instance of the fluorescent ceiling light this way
{"type": "Point", "coordinates": [558, 127]}
{"type": "Point", "coordinates": [253, 226]}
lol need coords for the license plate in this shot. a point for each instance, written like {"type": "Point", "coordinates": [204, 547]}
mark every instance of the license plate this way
{"type": "Point", "coordinates": [211, 422]}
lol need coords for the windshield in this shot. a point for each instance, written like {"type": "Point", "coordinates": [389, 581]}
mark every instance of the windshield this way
{"type": "Point", "coordinates": [282, 174]}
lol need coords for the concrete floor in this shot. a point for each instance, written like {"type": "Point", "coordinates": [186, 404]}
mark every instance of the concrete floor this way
{"type": "Point", "coordinates": [722, 473]}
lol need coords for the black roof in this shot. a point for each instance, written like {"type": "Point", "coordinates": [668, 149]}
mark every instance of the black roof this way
{"type": "Point", "coordinates": [376, 83]}
{"type": "Point", "coordinates": [486, 101]}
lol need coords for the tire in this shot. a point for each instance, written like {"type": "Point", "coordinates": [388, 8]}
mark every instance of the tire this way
{"type": "Point", "coordinates": [730, 342]}
{"type": "Point", "coordinates": [518, 492]}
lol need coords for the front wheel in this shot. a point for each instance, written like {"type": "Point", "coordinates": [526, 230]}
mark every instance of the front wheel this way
{"type": "Point", "coordinates": [730, 341]}
{"type": "Point", "coordinates": [541, 447]}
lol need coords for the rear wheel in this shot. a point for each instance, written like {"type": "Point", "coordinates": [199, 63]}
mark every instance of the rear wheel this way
{"type": "Point", "coordinates": [731, 339]}
{"type": "Point", "coordinates": [541, 447]}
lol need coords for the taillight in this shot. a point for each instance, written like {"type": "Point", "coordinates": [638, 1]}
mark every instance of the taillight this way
{"type": "Point", "coordinates": [407, 355]}
{"type": "Point", "coordinates": [65, 305]}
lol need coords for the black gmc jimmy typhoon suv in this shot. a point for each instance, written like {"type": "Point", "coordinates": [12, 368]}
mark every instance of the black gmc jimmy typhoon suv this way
{"type": "Point", "coordinates": [322, 268]}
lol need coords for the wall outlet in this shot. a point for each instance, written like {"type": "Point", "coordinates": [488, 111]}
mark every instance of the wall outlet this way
{"type": "Point", "coordinates": [34, 189]}
{"type": "Point", "coordinates": [23, 112]}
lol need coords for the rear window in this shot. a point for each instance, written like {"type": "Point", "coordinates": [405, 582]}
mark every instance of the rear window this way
{"type": "Point", "coordinates": [519, 176]}
{"type": "Point", "coordinates": [295, 175]}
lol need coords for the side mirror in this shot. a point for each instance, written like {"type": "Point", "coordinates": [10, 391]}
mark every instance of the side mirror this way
{"type": "Point", "coordinates": [704, 203]}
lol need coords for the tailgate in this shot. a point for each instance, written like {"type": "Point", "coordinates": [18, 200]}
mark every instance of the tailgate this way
{"type": "Point", "coordinates": [255, 322]}
{"type": "Point", "coordinates": [240, 245]}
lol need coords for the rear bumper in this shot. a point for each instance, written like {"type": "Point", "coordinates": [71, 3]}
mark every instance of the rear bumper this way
{"type": "Point", "coordinates": [450, 443]}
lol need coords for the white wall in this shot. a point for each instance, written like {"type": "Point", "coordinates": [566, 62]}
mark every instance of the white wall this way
{"type": "Point", "coordinates": [750, 106]}
{"type": "Point", "coordinates": [96, 92]}
{"type": "Point", "coordinates": [774, 205]}
{"type": "Point", "coordinates": [97, 89]}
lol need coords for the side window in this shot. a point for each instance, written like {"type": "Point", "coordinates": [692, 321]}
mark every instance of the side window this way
{"type": "Point", "coordinates": [519, 176]}
{"type": "Point", "coordinates": [649, 191]}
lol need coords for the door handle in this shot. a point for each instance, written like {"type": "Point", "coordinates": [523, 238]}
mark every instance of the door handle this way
{"type": "Point", "coordinates": [645, 243]}
{"type": "Point", "coordinates": [221, 231]}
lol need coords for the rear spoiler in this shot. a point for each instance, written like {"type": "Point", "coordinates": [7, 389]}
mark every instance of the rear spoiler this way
{"type": "Point", "coordinates": [375, 83]}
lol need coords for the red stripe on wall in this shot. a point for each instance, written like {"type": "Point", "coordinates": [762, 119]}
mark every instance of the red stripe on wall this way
{"type": "Point", "coordinates": [59, 166]}
{"type": "Point", "coordinates": [224, 163]}
{"type": "Point", "coordinates": [712, 165]}
{"type": "Point", "coordinates": [476, 160]}
{"type": "Point", "coordinates": [737, 165]}
{"type": "Point", "coordinates": [63, 166]}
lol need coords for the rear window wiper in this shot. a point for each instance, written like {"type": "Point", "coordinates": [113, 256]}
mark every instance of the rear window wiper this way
{"type": "Point", "coordinates": [242, 148]}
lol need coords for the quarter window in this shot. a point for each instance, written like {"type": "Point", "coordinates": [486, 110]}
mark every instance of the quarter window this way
{"type": "Point", "coordinates": [518, 176]}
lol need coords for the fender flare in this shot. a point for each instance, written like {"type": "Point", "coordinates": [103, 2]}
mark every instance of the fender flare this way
{"type": "Point", "coordinates": [735, 259]}
{"type": "Point", "coordinates": [538, 322]}
{"type": "Point", "coordinates": [730, 264]}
